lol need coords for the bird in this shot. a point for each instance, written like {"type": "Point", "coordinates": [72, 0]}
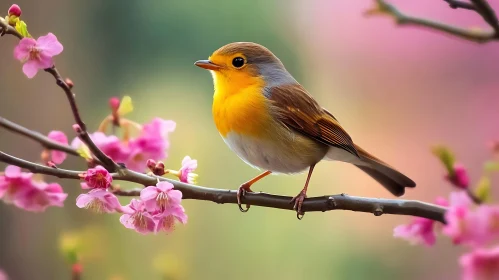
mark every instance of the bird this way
{"type": "Point", "coordinates": [273, 124]}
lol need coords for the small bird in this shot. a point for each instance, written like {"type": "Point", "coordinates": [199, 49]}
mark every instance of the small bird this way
{"type": "Point", "coordinates": [272, 123]}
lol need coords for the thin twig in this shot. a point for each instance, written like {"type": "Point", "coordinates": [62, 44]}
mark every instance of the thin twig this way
{"type": "Point", "coordinates": [324, 203]}
{"type": "Point", "coordinates": [479, 36]}
{"type": "Point", "coordinates": [107, 162]}
{"type": "Point", "coordinates": [487, 13]}
{"type": "Point", "coordinates": [36, 136]}
{"type": "Point", "coordinates": [456, 4]}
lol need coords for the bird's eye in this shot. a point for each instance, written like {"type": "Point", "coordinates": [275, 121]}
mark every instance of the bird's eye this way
{"type": "Point", "coordinates": [238, 62]}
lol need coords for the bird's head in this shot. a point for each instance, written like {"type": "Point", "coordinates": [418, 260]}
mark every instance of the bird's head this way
{"type": "Point", "coordinates": [242, 64]}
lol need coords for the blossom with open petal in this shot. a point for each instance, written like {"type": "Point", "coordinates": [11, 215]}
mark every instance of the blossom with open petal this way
{"type": "Point", "coordinates": [161, 197]}
{"type": "Point", "coordinates": [40, 195]}
{"type": "Point", "coordinates": [98, 178]}
{"type": "Point", "coordinates": [37, 54]}
{"type": "Point", "coordinates": [99, 201]}
{"type": "Point", "coordinates": [136, 217]}
{"type": "Point", "coordinates": [152, 143]}
{"type": "Point", "coordinates": [58, 136]}
{"type": "Point", "coordinates": [186, 173]}
{"type": "Point", "coordinates": [165, 221]}
{"type": "Point", "coordinates": [12, 182]}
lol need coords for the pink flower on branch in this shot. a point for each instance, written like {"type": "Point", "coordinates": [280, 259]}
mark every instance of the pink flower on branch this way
{"type": "Point", "coordinates": [137, 218]}
{"type": "Point", "coordinates": [419, 230]}
{"type": "Point", "coordinates": [481, 264]}
{"type": "Point", "coordinates": [160, 198]}
{"type": "Point", "coordinates": [37, 54]}
{"type": "Point", "coordinates": [152, 143]}
{"type": "Point", "coordinates": [12, 182]}
{"type": "Point", "coordinates": [39, 196]}
{"type": "Point", "coordinates": [186, 172]}
{"type": "Point", "coordinates": [58, 157]}
{"type": "Point", "coordinates": [99, 201]}
{"type": "Point", "coordinates": [166, 220]}
{"type": "Point", "coordinates": [97, 178]}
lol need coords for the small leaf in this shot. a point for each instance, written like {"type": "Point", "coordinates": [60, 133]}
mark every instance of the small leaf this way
{"type": "Point", "coordinates": [84, 152]}
{"type": "Point", "coordinates": [446, 157]}
{"type": "Point", "coordinates": [491, 166]}
{"type": "Point", "coordinates": [483, 189]}
{"type": "Point", "coordinates": [126, 106]}
{"type": "Point", "coordinates": [22, 28]}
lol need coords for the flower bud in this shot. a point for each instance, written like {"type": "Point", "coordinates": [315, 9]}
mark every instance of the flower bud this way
{"type": "Point", "coordinates": [77, 128]}
{"type": "Point", "coordinates": [114, 103]}
{"type": "Point", "coordinates": [15, 10]}
{"type": "Point", "coordinates": [69, 82]}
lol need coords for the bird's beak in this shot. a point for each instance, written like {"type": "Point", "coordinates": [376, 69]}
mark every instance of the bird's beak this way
{"type": "Point", "coordinates": [206, 64]}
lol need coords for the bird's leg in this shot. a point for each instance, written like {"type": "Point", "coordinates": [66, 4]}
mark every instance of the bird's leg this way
{"type": "Point", "coordinates": [298, 200]}
{"type": "Point", "coordinates": [246, 187]}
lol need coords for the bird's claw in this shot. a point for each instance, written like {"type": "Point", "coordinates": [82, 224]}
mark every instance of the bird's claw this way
{"type": "Point", "coordinates": [298, 202]}
{"type": "Point", "coordinates": [243, 189]}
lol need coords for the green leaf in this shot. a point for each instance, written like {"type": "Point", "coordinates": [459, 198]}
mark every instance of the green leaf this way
{"type": "Point", "coordinates": [491, 166]}
{"type": "Point", "coordinates": [446, 157]}
{"type": "Point", "coordinates": [22, 28]}
{"type": "Point", "coordinates": [483, 189]}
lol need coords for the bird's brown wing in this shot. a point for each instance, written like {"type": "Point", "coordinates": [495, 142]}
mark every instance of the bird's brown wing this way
{"type": "Point", "coordinates": [296, 109]}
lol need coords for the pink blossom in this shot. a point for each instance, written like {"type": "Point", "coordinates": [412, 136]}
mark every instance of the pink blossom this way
{"type": "Point", "coordinates": [99, 200]}
{"type": "Point", "coordinates": [152, 143]}
{"type": "Point", "coordinates": [463, 224]}
{"type": "Point", "coordinates": [418, 231]}
{"type": "Point", "coordinates": [136, 217]}
{"type": "Point", "coordinates": [12, 182]}
{"type": "Point", "coordinates": [166, 220]}
{"type": "Point", "coordinates": [37, 54]}
{"type": "Point", "coordinates": [186, 174]}
{"type": "Point", "coordinates": [15, 10]}
{"type": "Point", "coordinates": [110, 145]}
{"type": "Point", "coordinates": [58, 136]}
{"type": "Point", "coordinates": [40, 195]}
{"type": "Point", "coordinates": [98, 178]}
{"type": "Point", "coordinates": [460, 178]}
{"type": "Point", "coordinates": [161, 197]}
{"type": "Point", "coordinates": [481, 264]}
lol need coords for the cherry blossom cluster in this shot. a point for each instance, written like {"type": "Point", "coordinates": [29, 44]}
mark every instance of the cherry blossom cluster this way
{"type": "Point", "coordinates": [469, 220]}
{"type": "Point", "coordinates": [141, 148]}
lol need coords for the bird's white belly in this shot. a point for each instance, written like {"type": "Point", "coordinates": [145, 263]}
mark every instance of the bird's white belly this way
{"type": "Point", "coordinates": [292, 154]}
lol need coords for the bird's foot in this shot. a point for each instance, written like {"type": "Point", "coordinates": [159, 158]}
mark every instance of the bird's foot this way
{"type": "Point", "coordinates": [298, 201]}
{"type": "Point", "coordinates": [243, 189]}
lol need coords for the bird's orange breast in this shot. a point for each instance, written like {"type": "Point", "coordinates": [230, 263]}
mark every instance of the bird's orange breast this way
{"type": "Point", "coordinates": [239, 106]}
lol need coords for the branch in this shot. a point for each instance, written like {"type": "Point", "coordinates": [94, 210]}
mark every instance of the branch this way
{"type": "Point", "coordinates": [456, 4]}
{"type": "Point", "coordinates": [37, 136]}
{"type": "Point", "coordinates": [479, 36]}
{"type": "Point", "coordinates": [323, 203]}
{"type": "Point", "coordinates": [5, 28]}
{"type": "Point", "coordinates": [107, 162]}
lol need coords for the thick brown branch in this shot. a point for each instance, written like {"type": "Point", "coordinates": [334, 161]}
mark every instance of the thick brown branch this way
{"type": "Point", "coordinates": [474, 35]}
{"type": "Point", "coordinates": [324, 203]}
{"type": "Point", "coordinates": [36, 136]}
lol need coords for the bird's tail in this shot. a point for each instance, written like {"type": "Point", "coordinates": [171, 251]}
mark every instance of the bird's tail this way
{"type": "Point", "coordinates": [391, 179]}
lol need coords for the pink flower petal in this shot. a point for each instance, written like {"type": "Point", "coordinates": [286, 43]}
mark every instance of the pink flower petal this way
{"type": "Point", "coordinates": [21, 51]}
{"type": "Point", "coordinates": [148, 193]}
{"type": "Point", "coordinates": [12, 171]}
{"type": "Point", "coordinates": [50, 45]}
{"type": "Point", "coordinates": [83, 200]}
{"type": "Point", "coordinates": [30, 68]}
{"type": "Point", "coordinates": [164, 186]}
